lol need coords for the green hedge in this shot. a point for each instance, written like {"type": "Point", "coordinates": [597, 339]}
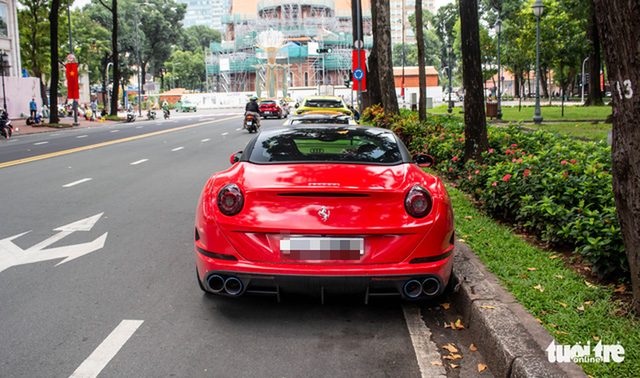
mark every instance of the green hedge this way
{"type": "Point", "coordinates": [548, 184]}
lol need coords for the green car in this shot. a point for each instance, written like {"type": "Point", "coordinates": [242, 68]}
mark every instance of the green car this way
{"type": "Point", "coordinates": [186, 106]}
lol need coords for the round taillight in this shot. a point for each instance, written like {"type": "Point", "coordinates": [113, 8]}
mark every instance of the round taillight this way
{"type": "Point", "coordinates": [418, 202]}
{"type": "Point", "coordinates": [230, 200]}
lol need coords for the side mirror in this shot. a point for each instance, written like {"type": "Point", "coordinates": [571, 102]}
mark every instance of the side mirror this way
{"type": "Point", "coordinates": [235, 157]}
{"type": "Point", "coordinates": [296, 105]}
{"type": "Point", "coordinates": [423, 160]}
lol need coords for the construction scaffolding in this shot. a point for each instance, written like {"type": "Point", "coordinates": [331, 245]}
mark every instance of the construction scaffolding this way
{"type": "Point", "coordinates": [309, 27]}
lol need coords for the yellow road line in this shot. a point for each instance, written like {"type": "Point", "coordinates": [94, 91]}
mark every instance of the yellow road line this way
{"type": "Point", "coordinates": [66, 152]}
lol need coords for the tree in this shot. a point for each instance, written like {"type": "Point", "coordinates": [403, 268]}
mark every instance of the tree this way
{"type": "Point", "coordinates": [34, 40]}
{"type": "Point", "coordinates": [114, 51]}
{"type": "Point", "coordinates": [189, 67]}
{"type": "Point", "coordinates": [55, 73]}
{"type": "Point", "coordinates": [92, 41]}
{"type": "Point", "coordinates": [594, 97]}
{"type": "Point", "coordinates": [422, 76]}
{"type": "Point", "coordinates": [617, 21]}
{"type": "Point", "coordinates": [380, 80]}
{"type": "Point", "coordinates": [198, 37]}
{"type": "Point", "coordinates": [476, 140]}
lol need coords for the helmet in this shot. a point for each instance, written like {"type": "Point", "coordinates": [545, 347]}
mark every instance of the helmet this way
{"type": "Point", "coordinates": [253, 98]}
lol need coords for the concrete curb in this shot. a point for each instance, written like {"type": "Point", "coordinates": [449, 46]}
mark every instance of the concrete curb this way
{"type": "Point", "coordinates": [510, 339]}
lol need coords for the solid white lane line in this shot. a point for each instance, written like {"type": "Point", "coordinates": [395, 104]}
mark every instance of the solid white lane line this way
{"type": "Point", "coordinates": [139, 161]}
{"type": "Point", "coordinates": [81, 136]}
{"type": "Point", "coordinates": [223, 134]}
{"type": "Point", "coordinates": [100, 357]}
{"type": "Point", "coordinates": [426, 350]}
{"type": "Point", "coordinates": [39, 143]}
{"type": "Point", "coordinates": [76, 182]}
{"type": "Point", "coordinates": [205, 140]}
{"type": "Point", "coordinates": [177, 149]}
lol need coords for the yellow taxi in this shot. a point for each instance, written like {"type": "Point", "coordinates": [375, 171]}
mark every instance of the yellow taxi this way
{"type": "Point", "coordinates": [323, 103]}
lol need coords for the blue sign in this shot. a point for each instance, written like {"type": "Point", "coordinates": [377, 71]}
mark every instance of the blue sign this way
{"type": "Point", "coordinates": [358, 74]}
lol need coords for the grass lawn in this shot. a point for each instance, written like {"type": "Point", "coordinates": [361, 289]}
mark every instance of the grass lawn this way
{"type": "Point", "coordinates": [573, 309]}
{"type": "Point", "coordinates": [549, 113]}
{"type": "Point", "coordinates": [579, 129]}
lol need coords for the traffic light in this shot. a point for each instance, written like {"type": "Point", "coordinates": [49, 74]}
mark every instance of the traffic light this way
{"type": "Point", "coordinates": [323, 50]}
{"type": "Point", "coordinates": [348, 80]}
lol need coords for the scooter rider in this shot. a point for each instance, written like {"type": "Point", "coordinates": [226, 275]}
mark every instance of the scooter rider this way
{"type": "Point", "coordinates": [165, 107]}
{"type": "Point", "coordinates": [253, 108]}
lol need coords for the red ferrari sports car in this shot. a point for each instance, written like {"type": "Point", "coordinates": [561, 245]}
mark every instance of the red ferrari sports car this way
{"type": "Point", "coordinates": [323, 209]}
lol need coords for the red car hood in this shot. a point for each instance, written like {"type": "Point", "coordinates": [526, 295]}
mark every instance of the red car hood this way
{"type": "Point", "coordinates": [359, 201]}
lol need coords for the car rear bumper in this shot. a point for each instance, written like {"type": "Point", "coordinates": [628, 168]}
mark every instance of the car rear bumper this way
{"type": "Point", "coordinates": [409, 281]}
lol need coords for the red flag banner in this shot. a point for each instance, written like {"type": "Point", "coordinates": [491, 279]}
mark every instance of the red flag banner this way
{"type": "Point", "coordinates": [73, 91]}
{"type": "Point", "coordinates": [362, 64]}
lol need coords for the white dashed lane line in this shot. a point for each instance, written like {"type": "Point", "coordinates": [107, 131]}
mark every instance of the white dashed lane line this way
{"type": "Point", "coordinates": [81, 136]}
{"type": "Point", "coordinates": [205, 140]}
{"type": "Point", "coordinates": [39, 143]}
{"type": "Point", "coordinates": [177, 149]}
{"type": "Point", "coordinates": [223, 134]}
{"type": "Point", "coordinates": [139, 127]}
{"type": "Point", "coordinates": [93, 365]}
{"type": "Point", "coordinates": [139, 162]}
{"type": "Point", "coordinates": [115, 131]}
{"type": "Point", "coordinates": [77, 182]}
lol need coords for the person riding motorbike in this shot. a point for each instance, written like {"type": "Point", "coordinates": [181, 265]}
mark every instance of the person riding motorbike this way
{"type": "Point", "coordinates": [253, 108]}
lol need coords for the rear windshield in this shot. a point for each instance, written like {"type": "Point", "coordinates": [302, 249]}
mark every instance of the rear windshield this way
{"type": "Point", "coordinates": [348, 145]}
{"type": "Point", "coordinates": [323, 103]}
{"type": "Point", "coordinates": [268, 103]}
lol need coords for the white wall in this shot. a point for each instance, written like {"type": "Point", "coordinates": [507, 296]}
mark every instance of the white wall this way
{"type": "Point", "coordinates": [19, 92]}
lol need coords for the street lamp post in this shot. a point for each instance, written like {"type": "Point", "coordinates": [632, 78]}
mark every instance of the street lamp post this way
{"type": "Point", "coordinates": [449, 50]}
{"type": "Point", "coordinates": [583, 80]}
{"type": "Point", "coordinates": [108, 95]}
{"type": "Point", "coordinates": [498, 27]}
{"type": "Point", "coordinates": [538, 8]}
{"type": "Point", "coordinates": [4, 63]}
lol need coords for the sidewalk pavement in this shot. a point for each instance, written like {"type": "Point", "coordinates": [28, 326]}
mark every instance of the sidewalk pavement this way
{"type": "Point", "coordinates": [67, 122]}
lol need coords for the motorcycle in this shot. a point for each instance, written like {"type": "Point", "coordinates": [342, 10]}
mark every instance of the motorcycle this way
{"type": "Point", "coordinates": [6, 130]}
{"type": "Point", "coordinates": [166, 113]}
{"type": "Point", "coordinates": [151, 114]}
{"type": "Point", "coordinates": [131, 115]}
{"type": "Point", "coordinates": [251, 123]}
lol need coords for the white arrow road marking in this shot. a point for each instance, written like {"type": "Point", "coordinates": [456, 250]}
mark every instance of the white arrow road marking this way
{"type": "Point", "coordinates": [177, 149]}
{"type": "Point", "coordinates": [12, 255]}
{"type": "Point", "coordinates": [76, 182]}
{"type": "Point", "coordinates": [426, 350]}
{"type": "Point", "coordinates": [100, 357]}
{"type": "Point", "coordinates": [139, 162]}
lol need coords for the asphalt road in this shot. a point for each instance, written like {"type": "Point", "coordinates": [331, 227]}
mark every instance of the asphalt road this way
{"type": "Point", "coordinates": [126, 304]}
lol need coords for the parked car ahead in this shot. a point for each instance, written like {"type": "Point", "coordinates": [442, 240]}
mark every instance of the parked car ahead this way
{"type": "Point", "coordinates": [323, 103]}
{"type": "Point", "coordinates": [186, 106]}
{"type": "Point", "coordinates": [274, 107]}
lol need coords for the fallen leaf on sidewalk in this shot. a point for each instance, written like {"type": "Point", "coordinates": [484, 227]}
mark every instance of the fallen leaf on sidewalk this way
{"type": "Point", "coordinates": [488, 307]}
{"type": "Point", "coordinates": [532, 269]}
{"type": "Point", "coordinates": [596, 338]}
{"type": "Point", "coordinates": [539, 321]}
{"type": "Point", "coordinates": [561, 332]}
{"type": "Point", "coordinates": [581, 308]}
{"type": "Point", "coordinates": [522, 276]}
{"type": "Point", "coordinates": [563, 304]}
{"type": "Point", "coordinates": [451, 348]}
{"type": "Point", "coordinates": [553, 257]}
{"type": "Point", "coordinates": [588, 302]}
{"type": "Point", "coordinates": [453, 366]}
{"type": "Point", "coordinates": [468, 217]}
{"type": "Point", "coordinates": [473, 348]}
{"type": "Point", "coordinates": [459, 324]}
{"type": "Point", "coordinates": [589, 284]}
{"type": "Point", "coordinates": [448, 357]}
{"type": "Point", "coordinates": [539, 287]}
{"type": "Point", "coordinates": [481, 367]}
{"type": "Point", "coordinates": [445, 305]}
{"type": "Point", "coordinates": [436, 363]}
{"type": "Point", "coordinates": [558, 276]}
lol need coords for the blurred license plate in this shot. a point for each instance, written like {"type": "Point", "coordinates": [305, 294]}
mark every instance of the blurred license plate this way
{"type": "Point", "coordinates": [310, 249]}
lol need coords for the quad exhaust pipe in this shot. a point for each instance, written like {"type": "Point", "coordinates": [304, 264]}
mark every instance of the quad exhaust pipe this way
{"type": "Point", "coordinates": [414, 288]}
{"type": "Point", "coordinates": [230, 285]}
